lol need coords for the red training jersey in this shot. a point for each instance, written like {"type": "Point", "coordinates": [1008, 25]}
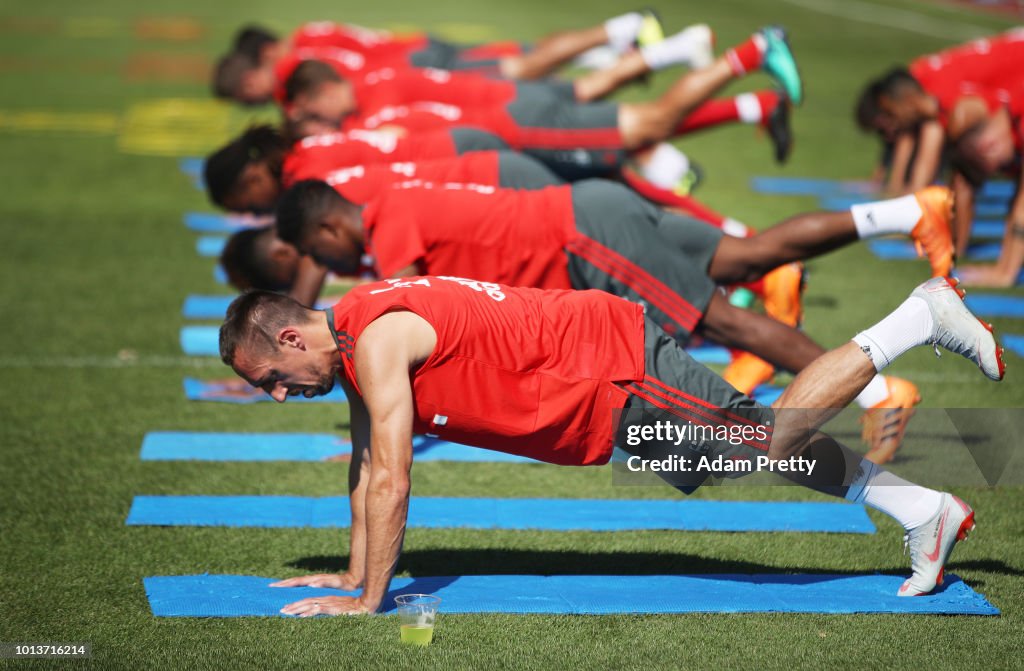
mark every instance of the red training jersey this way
{"type": "Point", "coordinates": [392, 86]}
{"type": "Point", "coordinates": [367, 41]}
{"type": "Point", "coordinates": [523, 371]}
{"type": "Point", "coordinates": [361, 183]}
{"type": "Point", "coordinates": [319, 154]}
{"type": "Point", "coordinates": [981, 68]}
{"type": "Point", "coordinates": [472, 230]}
{"type": "Point", "coordinates": [430, 116]}
{"type": "Point", "coordinates": [350, 65]}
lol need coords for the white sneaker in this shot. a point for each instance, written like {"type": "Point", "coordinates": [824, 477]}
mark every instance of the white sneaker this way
{"type": "Point", "coordinates": [957, 329]}
{"type": "Point", "coordinates": [931, 544]}
{"type": "Point", "coordinates": [702, 39]}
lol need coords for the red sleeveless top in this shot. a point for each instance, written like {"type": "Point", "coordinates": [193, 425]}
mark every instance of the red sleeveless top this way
{"type": "Point", "coordinates": [524, 371]}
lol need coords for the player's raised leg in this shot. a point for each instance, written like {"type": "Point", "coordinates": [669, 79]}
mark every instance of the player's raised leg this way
{"type": "Point", "coordinates": [549, 53]}
{"type": "Point", "coordinates": [767, 49]}
{"type": "Point", "coordinates": [936, 315]}
{"type": "Point", "coordinates": [924, 217]}
{"type": "Point", "coordinates": [691, 47]}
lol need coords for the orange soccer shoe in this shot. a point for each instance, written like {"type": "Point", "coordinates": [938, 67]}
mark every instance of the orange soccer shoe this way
{"type": "Point", "coordinates": [783, 293]}
{"type": "Point", "coordinates": [885, 423]}
{"type": "Point", "coordinates": [932, 235]}
{"type": "Point", "coordinates": [747, 371]}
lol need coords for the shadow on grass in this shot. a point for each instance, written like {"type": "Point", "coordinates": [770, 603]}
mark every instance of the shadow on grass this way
{"type": "Point", "coordinates": [549, 562]}
{"type": "Point", "coordinates": [567, 562]}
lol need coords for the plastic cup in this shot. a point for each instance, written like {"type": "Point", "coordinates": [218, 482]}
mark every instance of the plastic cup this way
{"type": "Point", "coordinates": [416, 613]}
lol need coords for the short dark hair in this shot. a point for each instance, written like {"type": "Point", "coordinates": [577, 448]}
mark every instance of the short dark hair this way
{"type": "Point", "coordinates": [867, 109]}
{"type": "Point", "coordinates": [307, 77]}
{"type": "Point", "coordinates": [251, 39]}
{"type": "Point", "coordinates": [965, 159]}
{"type": "Point", "coordinates": [897, 82]}
{"type": "Point", "coordinates": [246, 260]}
{"type": "Point", "coordinates": [302, 206]}
{"type": "Point", "coordinates": [253, 321]}
{"type": "Point", "coordinates": [228, 73]}
{"type": "Point", "coordinates": [224, 167]}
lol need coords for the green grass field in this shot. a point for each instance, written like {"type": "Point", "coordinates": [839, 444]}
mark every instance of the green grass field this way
{"type": "Point", "coordinates": [97, 102]}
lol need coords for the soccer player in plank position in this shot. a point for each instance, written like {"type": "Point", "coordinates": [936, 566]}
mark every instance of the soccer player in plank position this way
{"type": "Point", "coordinates": [260, 67]}
{"type": "Point", "coordinates": [259, 61]}
{"type": "Point", "coordinates": [598, 235]}
{"type": "Point", "coordinates": [248, 174]}
{"type": "Point", "coordinates": [991, 142]}
{"type": "Point", "coordinates": [572, 138]}
{"type": "Point", "coordinates": [912, 106]}
{"type": "Point", "coordinates": [543, 374]}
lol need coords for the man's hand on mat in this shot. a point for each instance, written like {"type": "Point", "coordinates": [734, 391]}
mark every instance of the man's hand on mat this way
{"type": "Point", "coordinates": [328, 605]}
{"type": "Point", "coordinates": [345, 581]}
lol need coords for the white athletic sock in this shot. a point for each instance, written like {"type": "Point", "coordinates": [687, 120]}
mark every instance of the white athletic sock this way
{"type": "Point", "coordinates": [896, 215]}
{"type": "Point", "coordinates": [736, 229]}
{"type": "Point", "coordinates": [873, 394]}
{"type": "Point", "coordinates": [908, 326]}
{"type": "Point", "coordinates": [597, 58]}
{"type": "Point", "coordinates": [748, 106]}
{"type": "Point", "coordinates": [688, 47]}
{"type": "Point", "coordinates": [665, 166]}
{"type": "Point", "coordinates": [622, 30]}
{"type": "Point", "coordinates": [909, 504]}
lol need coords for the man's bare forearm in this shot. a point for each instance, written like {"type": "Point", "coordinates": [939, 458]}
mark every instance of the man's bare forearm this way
{"type": "Point", "coordinates": [309, 282]}
{"type": "Point", "coordinates": [387, 504]}
{"type": "Point", "coordinates": [963, 212]}
{"type": "Point", "coordinates": [929, 152]}
{"type": "Point", "coordinates": [358, 484]}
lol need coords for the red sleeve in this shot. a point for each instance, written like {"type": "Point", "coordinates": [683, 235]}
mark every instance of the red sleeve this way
{"type": "Point", "coordinates": [398, 244]}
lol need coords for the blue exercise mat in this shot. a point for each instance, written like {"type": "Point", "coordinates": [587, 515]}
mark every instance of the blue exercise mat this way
{"type": "Point", "coordinates": [182, 445]}
{"type": "Point", "coordinates": [193, 167]}
{"type": "Point", "coordinates": [1013, 342]}
{"type": "Point", "coordinates": [206, 307]}
{"type": "Point", "coordinates": [766, 394]}
{"type": "Point", "coordinates": [998, 190]}
{"type": "Point", "coordinates": [900, 250]}
{"type": "Point", "coordinates": [482, 513]}
{"type": "Point", "coordinates": [838, 203]}
{"type": "Point", "coordinates": [241, 596]}
{"type": "Point", "coordinates": [995, 305]}
{"type": "Point", "coordinates": [707, 353]}
{"type": "Point", "coordinates": [209, 222]}
{"type": "Point", "coordinates": [804, 186]}
{"type": "Point", "coordinates": [203, 390]}
{"type": "Point", "coordinates": [986, 228]}
{"type": "Point", "coordinates": [200, 340]}
{"type": "Point", "coordinates": [989, 209]}
{"type": "Point", "coordinates": [210, 245]}
{"type": "Point", "coordinates": [215, 307]}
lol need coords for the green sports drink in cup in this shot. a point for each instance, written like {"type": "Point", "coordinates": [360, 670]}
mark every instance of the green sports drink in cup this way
{"type": "Point", "coordinates": [416, 612]}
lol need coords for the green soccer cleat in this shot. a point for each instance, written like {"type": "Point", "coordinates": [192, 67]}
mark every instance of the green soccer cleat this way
{"type": "Point", "coordinates": [780, 64]}
{"type": "Point", "coordinates": [651, 30]}
{"type": "Point", "coordinates": [689, 182]}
